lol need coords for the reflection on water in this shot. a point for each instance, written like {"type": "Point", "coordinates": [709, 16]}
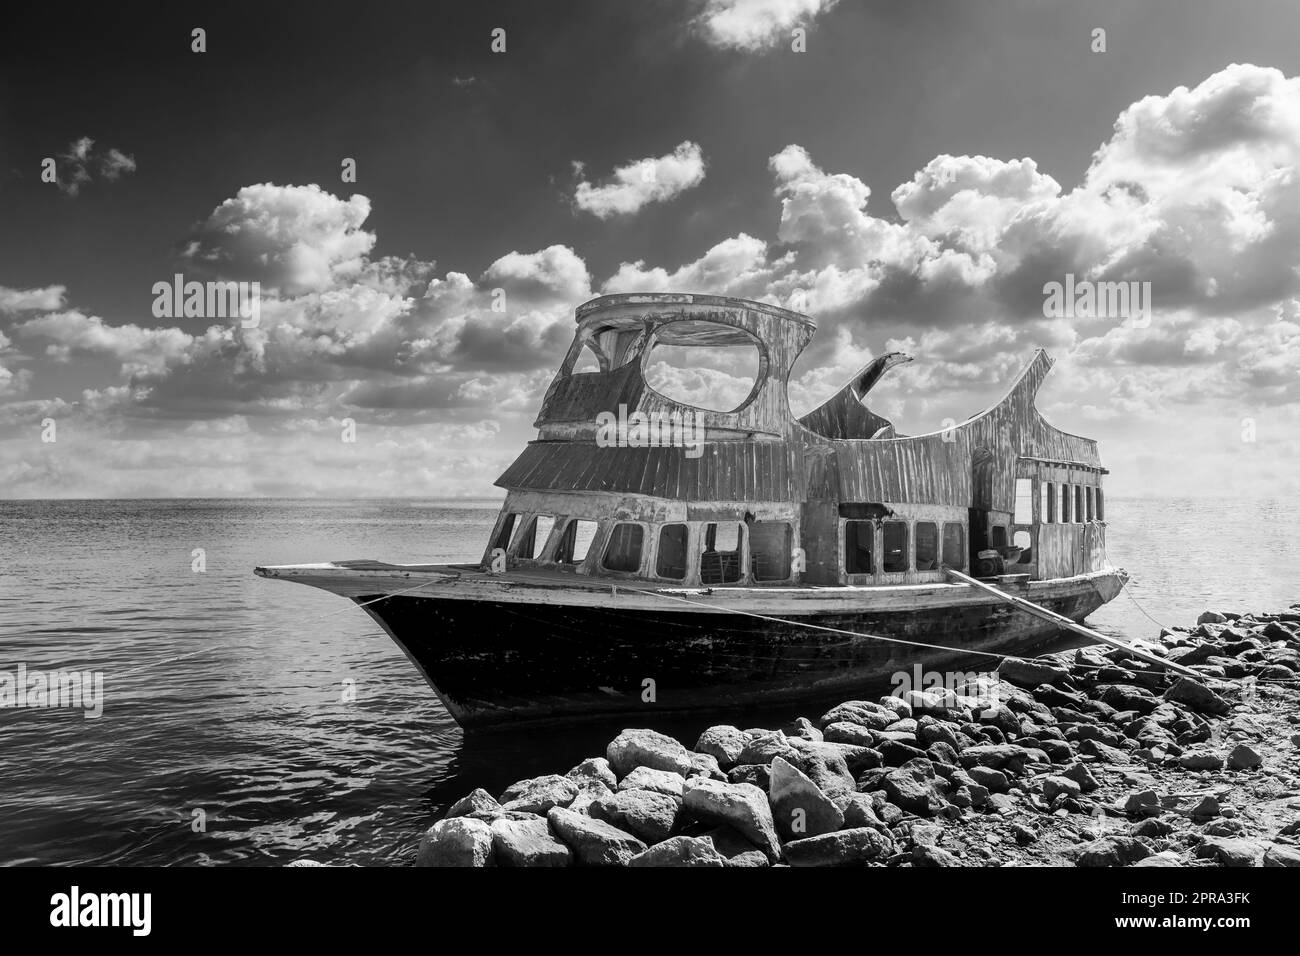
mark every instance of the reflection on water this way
{"type": "Point", "coordinates": [225, 735]}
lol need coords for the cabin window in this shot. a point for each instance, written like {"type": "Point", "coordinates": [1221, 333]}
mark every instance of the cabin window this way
{"type": "Point", "coordinates": [576, 541]}
{"type": "Point", "coordinates": [859, 546]}
{"type": "Point", "coordinates": [623, 553]}
{"type": "Point", "coordinates": [954, 545]}
{"type": "Point", "coordinates": [894, 558]}
{"type": "Point", "coordinates": [1024, 513]}
{"type": "Point", "coordinates": [1078, 502]}
{"type": "Point", "coordinates": [1049, 512]}
{"type": "Point", "coordinates": [998, 539]}
{"type": "Point", "coordinates": [502, 540]}
{"type": "Point", "coordinates": [769, 550]}
{"type": "Point", "coordinates": [720, 558]}
{"type": "Point", "coordinates": [1101, 509]}
{"type": "Point", "coordinates": [671, 562]}
{"type": "Point", "coordinates": [1065, 504]}
{"type": "Point", "coordinates": [1089, 501]}
{"type": "Point", "coordinates": [532, 540]}
{"type": "Point", "coordinates": [927, 546]}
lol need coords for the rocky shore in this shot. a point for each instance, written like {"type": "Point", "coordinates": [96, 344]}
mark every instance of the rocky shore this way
{"type": "Point", "coordinates": [1083, 758]}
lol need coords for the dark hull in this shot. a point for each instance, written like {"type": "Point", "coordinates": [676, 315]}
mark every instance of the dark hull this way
{"type": "Point", "coordinates": [505, 663]}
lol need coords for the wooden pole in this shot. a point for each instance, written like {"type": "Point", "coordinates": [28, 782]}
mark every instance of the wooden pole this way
{"type": "Point", "coordinates": [1062, 621]}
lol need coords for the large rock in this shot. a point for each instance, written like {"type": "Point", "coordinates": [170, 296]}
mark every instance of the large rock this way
{"type": "Point", "coordinates": [681, 851]}
{"type": "Point", "coordinates": [761, 748]}
{"type": "Point", "coordinates": [459, 841]}
{"type": "Point", "coordinates": [527, 843]}
{"type": "Point", "coordinates": [828, 765]}
{"type": "Point", "coordinates": [594, 842]}
{"type": "Point", "coordinates": [908, 791]}
{"type": "Point", "coordinates": [1281, 855]}
{"type": "Point", "coordinates": [647, 814]}
{"type": "Point", "coordinates": [1113, 851]}
{"type": "Point", "coordinates": [1029, 674]}
{"type": "Point", "coordinates": [859, 810]}
{"type": "Point", "coordinates": [846, 732]}
{"type": "Point", "coordinates": [594, 770]}
{"type": "Point", "coordinates": [647, 748]}
{"type": "Point", "coordinates": [539, 794]}
{"type": "Point", "coordinates": [1243, 757]}
{"type": "Point", "coordinates": [660, 781]}
{"type": "Point", "coordinates": [1196, 696]}
{"type": "Point", "coordinates": [865, 713]}
{"type": "Point", "coordinates": [841, 848]}
{"type": "Point", "coordinates": [741, 806]}
{"type": "Point", "coordinates": [1229, 852]}
{"type": "Point", "coordinates": [477, 800]}
{"type": "Point", "coordinates": [724, 743]}
{"type": "Point", "coordinates": [994, 756]}
{"type": "Point", "coordinates": [799, 807]}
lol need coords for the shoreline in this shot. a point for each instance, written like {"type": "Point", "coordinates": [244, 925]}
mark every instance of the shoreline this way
{"type": "Point", "coordinates": [1083, 757]}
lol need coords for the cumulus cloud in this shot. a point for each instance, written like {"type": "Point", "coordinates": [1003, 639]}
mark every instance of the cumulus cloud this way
{"type": "Point", "coordinates": [81, 163]}
{"type": "Point", "coordinates": [292, 239]}
{"type": "Point", "coordinates": [641, 182]}
{"type": "Point", "coordinates": [756, 24]}
{"type": "Point", "coordinates": [1195, 192]}
{"type": "Point", "coordinates": [32, 300]}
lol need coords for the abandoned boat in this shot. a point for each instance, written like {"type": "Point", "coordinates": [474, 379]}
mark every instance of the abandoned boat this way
{"type": "Point", "coordinates": [743, 557]}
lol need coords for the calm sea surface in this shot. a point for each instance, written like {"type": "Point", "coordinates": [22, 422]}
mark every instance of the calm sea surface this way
{"type": "Point", "coordinates": [225, 737]}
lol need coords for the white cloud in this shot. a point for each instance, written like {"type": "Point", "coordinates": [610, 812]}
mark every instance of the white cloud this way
{"type": "Point", "coordinates": [77, 166]}
{"type": "Point", "coordinates": [756, 24]}
{"type": "Point", "coordinates": [32, 300]}
{"type": "Point", "coordinates": [642, 181]}
{"type": "Point", "coordinates": [292, 239]}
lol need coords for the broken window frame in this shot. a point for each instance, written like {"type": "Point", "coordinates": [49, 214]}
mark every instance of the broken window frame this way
{"type": "Point", "coordinates": [861, 529]}
{"type": "Point", "coordinates": [729, 571]}
{"type": "Point", "coordinates": [685, 552]}
{"type": "Point", "coordinates": [958, 550]}
{"type": "Point", "coordinates": [611, 542]}
{"type": "Point", "coordinates": [903, 552]}
{"type": "Point", "coordinates": [568, 541]}
{"type": "Point", "coordinates": [759, 554]}
{"type": "Point", "coordinates": [935, 550]}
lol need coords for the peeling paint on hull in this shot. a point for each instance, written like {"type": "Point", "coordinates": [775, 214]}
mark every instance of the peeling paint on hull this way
{"type": "Point", "coordinates": [496, 663]}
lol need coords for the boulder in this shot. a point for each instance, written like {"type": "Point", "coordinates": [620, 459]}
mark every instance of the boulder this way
{"type": "Point", "coordinates": [841, 848]}
{"type": "Point", "coordinates": [735, 849]}
{"type": "Point", "coordinates": [594, 770]}
{"type": "Point", "coordinates": [799, 807]}
{"type": "Point", "coordinates": [681, 851]}
{"type": "Point", "coordinates": [594, 842]}
{"type": "Point", "coordinates": [864, 713]}
{"type": "Point", "coordinates": [1030, 674]}
{"type": "Point", "coordinates": [844, 732]}
{"type": "Point", "coordinates": [1200, 760]}
{"type": "Point", "coordinates": [762, 748]}
{"type": "Point", "coordinates": [995, 780]}
{"type": "Point", "coordinates": [723, 742]}
{"type": "Point", "coordinates": [539, 794]}
{"type": "Point", "coordinates": [527, 843]}
{"type": "Point", "coordinates": [1055, 785]}
{"type": "Point", "coordinates": [1243, 757]}
{"type": "Point", "coordinates": [741, 806]}
{"type": "Point", "coordinates": [1196, 696]}
{"type": "Point", "coordinates": [1229, 852]}
{"type": "Point", "coordinates": [646, 814]}
{"type": "Point", "coordinates": [1280, 855]}
{"type": "Point", "coordinates": [926, 854]}
{"type": "Point", "coordinates": [476, 800]}
{"type": "Point", "coordinates": [758, 774]}
{"type": "Point", "coordinates": [706, 765]}
{"type": "Point", "coordinates": [459, 841]}
{"type": "Point", "coordinates": [859, 810]}
{"type": "Point", "coordinates": [908, 792]}
{"type": "Point", "coordinates": [1112, 851]}
{"type": "Point", "coordinates": [661, 781]}
{"type": "Point", "coordinates": [647, 748]}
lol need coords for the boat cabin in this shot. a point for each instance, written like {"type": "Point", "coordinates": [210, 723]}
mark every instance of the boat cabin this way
{"type": "Point", "coordinates": [626, 484]}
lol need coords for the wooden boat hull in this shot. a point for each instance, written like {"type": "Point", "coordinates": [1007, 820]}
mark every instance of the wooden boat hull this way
{"type": "Point", "coordinates": [510, 660]}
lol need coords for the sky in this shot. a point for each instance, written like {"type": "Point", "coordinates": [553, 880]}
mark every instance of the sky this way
{"type": "Point", "coordinates": [914, 175]}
